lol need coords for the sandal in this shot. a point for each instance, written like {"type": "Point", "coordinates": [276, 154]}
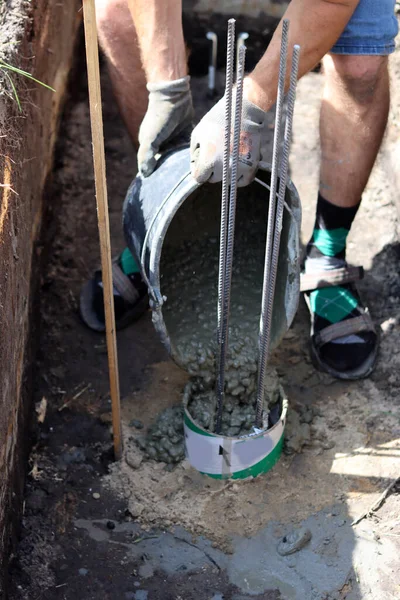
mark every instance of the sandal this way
{"type": "Point", "coordinates": [361, 324]}
{"type": "Point", "coordinates": [130, 299]}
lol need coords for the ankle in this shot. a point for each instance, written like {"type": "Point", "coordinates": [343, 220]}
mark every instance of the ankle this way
{"type": "Point", "coordinates": [323, 263]}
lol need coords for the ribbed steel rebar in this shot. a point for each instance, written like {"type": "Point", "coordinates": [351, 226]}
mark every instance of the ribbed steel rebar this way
{"type": "Point", "coordinates": [241, 41]}
{"type": "Point", "coordinates": [225, 172]}
{"type": "Point", "coordinates": [282, 186]}
{"type": "Point", "coordinates": [265, 318]}
{"type": "Point", "coordinates": [230, 235]}
{"type": "Point", "coordinates": [224, 210]}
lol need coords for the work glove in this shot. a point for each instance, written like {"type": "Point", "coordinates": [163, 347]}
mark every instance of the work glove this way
{"type": "Point", "coordinates": [207, 143]}
{"type": "Point", "coordinates": [169, 115]}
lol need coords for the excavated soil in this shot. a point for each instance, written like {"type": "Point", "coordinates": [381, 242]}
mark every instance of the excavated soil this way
{"type": "Point", "coordinates": [141, 529]}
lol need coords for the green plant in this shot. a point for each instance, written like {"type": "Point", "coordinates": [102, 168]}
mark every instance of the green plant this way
{"type": "Point", "coordinates": [6, 67]}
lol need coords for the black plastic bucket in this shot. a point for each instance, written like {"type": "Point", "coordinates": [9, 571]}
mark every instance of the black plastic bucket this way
{"type": "Point", "coordinates": [170, 206]}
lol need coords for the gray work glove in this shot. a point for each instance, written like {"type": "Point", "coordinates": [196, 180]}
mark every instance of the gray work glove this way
{"type": "Point", "coordinates": [169, 114]}
{"type": "Point", "coordinates": [207, 143]}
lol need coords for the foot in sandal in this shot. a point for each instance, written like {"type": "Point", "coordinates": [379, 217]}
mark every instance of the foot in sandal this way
{"type": "Point", "coordinates": [344, 341]}
{"type": "Point", "coordinates": [130, 295]}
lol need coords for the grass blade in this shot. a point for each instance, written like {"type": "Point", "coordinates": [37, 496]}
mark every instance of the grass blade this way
{"type": "Point", "coordinates": [14, 91]}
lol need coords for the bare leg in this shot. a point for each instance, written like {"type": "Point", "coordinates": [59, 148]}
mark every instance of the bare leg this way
{"type": "Point", "coordinates": [353, 120]}
{"type": "Point", "coordinates": [118, 40]}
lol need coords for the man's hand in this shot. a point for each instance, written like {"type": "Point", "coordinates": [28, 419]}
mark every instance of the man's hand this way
{"type": "Point", "coordinates": [207, 144]}
{"type": "Point", "coordinates": [169, 114]}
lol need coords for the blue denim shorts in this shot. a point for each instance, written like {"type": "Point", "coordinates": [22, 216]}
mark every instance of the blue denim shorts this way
{"type": "Point", "coordinates": [371, 29]}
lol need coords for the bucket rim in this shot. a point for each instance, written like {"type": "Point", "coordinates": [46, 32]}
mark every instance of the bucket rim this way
{"type": "Point", "coordinates": [190, 185]}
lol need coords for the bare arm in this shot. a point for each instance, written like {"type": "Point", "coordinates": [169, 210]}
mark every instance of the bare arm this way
{"type": "Point", "coordinates": [158, 25]}
{"type": "Point", "coordinates": [315, 25]}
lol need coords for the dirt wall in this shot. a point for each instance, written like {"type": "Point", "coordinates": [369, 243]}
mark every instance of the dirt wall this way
{"type": "Point", "coordinates": [37, 36]}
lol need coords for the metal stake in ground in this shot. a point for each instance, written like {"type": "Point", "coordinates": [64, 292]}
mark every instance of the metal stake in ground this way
{"type": "Point", "coordinates": [224, 213]}
{"type": "Point", "coordinates": [212, 67]}
{"type": "Point", "coordinates": [265, 318]}
{"type": "Point", "coordinates": [92, 60]}
{"type": "Point", "coordinates": [226, 299]}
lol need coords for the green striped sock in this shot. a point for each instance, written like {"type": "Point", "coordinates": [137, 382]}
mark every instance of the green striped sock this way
{"type": "Point", "coordinates": [128, 264]}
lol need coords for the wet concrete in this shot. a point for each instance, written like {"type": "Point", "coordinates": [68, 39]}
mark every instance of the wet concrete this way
{"type": "Point", "coordinates": [319, 568]}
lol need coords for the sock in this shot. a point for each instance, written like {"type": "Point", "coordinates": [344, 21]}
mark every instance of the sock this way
{"type": "Point", "coordinates": [326, 251]}
{"type": "Point", "coordinates": [128, 263]}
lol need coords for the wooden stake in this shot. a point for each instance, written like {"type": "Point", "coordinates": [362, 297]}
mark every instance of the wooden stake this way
{"type": "Point", "coordinates": [96, 119]}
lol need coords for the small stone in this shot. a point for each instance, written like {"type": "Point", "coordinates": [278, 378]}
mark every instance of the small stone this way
{"type": "Point", "coordinates": [146, 571]}
{"type": "Point", "coordinates": [294, 541]}
{"type": "Point", "coordinates": [136, 424]}
{"type": "Point", "coordinates": [110, 525]}
{"type": "Point", "coordinates": [141, 595]}
{"type": "Point", "coordinates": [291, 562]}
{"type": "Point", "coordinates": [388, 325]}
{"type": "Point", "coordinates": [134, 458]}
{"type": "Point", "coordinates": [83, 572]}
{"type": "Point", "coordinates": [96, 495]}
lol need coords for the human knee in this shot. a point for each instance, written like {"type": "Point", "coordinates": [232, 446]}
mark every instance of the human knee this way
{"type": "Point", "coordinates": [357, 75]}
{"type": "Point", "coordinates": [109, 11]}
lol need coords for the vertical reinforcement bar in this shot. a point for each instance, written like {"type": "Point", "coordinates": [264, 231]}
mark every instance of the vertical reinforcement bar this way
{"type": "Point", "coordinates": [265, 318]}
{"type": "Point", "coordinates": [282, 185]}
{"type": "Point", "coordinates": [226, 267]}
{"type": "Point", "coordinates": [225, 172]}
{"type": "Point", "coordinates": [224, 210]}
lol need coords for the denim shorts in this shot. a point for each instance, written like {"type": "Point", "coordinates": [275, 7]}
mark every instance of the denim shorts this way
{"type": "Point", "coordinates": [371, 29]}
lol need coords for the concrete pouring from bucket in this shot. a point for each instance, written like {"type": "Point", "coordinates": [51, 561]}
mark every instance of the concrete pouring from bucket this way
{"type": "Point", "coordinates": [172, 224]}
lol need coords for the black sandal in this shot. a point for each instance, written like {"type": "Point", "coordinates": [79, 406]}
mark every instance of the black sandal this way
{"type": "Point", "coordinates": [355, 325]}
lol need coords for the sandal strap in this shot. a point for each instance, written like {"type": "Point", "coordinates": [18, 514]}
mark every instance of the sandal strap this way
{"type": "Point", "coordinates": [323, 279]}
{"type": "Point", "coordinates": [343, 328]}
{"type": "Point", "coordinates": [124, 285]}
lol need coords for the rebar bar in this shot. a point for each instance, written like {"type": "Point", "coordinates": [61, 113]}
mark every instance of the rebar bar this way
{"type": "Point", "coordinates": [241, 41]}
{"type": "Point", "coordinates": [282, 185]}
{"type": "Point", "coordinates": [225, 170]}
{"type": "Point", "coordinates": [230, 237]}
{"type": "Point", "coordinates": [224, 210]}
{"type": "Point", "coordinates": [265, 318]}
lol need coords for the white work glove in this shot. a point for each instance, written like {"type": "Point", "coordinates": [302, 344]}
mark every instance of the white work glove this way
{"type": "Point", "coordinates": [169, 114]}
{"type": "Point", "coordinates": [207, 143]}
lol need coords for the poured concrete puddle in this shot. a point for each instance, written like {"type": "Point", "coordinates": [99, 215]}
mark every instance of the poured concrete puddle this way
{"type": "Point", "coordinates": [142, 530]}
